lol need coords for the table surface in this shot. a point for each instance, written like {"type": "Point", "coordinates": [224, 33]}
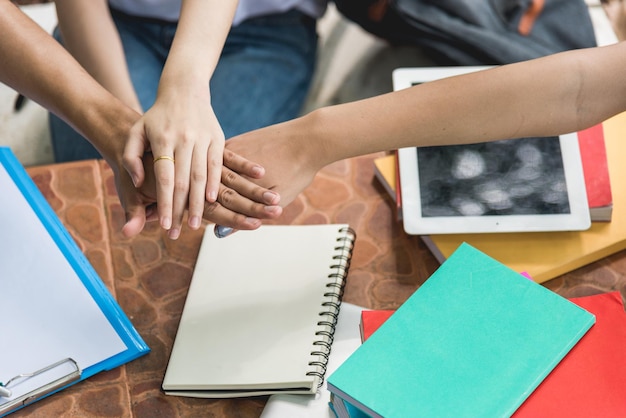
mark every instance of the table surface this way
{"type": "Point", "coordinates": [149, 276]}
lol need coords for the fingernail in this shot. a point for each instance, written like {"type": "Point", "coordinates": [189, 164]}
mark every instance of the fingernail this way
{"type": "Point", "coordinates": [212, 196]}
{"type": "Point", "coordinates": [272, 209]}
{"type": "Point", "coordinates": [258, 171]}
{"type": "Point", "coordinates": [271, 197]}
{"type": "Point", "coordinates": [166, 223]}
{"type": "Point", "coordinates": [222, 231]}
{"type": "Point", "coordinates": [135, 180]}
{"type": "Point", "coordinates": [254, 222]}
{"type": "Point", "coordinates": [173, 233]}
{"type": "Point", "coordinates": [194, 222]}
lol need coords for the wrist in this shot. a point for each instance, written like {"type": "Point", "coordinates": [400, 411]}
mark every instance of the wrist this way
{"type": "Point", "coordinates": [183, 72]}
{"type": "Point", "coordinates": [106, 123]}
{"type": "Point", "coordinates": [320, 142]}
{"type": "Point", "coordinates": [179, 88]}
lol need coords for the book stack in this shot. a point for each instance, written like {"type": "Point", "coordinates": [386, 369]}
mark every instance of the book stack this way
{"type": "Point", "coordinates": [478, 339]}
{"type": "Point", "coordinates": [546, 255]}
{"type": "Point", "coordinates": [584, 383]}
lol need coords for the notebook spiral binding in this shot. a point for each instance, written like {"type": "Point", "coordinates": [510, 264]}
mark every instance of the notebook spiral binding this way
{"type": "Point", "coordinates": [332, 302]}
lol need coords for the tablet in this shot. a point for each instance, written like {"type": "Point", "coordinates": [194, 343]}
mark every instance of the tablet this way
{"type": "Point", "coordinates": [518, 185]}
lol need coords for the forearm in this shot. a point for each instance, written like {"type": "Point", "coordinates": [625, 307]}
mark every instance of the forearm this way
{"type": "Point", "coordinates": [38, 67]}
{"type": "Point", "coordinates": [181, 124]}
{"type": "Point", "coordinates": [548, 96]}
{"type": "Point", "coordinates": [90, 35]}
{"type": "Point", "coordinates": [197, 45]}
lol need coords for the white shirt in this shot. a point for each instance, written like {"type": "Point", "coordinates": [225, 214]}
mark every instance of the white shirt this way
{"type": "Point", "coordinates": [170, 9]}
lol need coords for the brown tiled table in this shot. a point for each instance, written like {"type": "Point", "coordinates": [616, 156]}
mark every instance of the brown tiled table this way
{"type": "Point", "coordinates": [149, 276]}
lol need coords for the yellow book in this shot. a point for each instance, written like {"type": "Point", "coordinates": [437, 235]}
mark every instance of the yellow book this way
{"type": "Point", "coordinates": [385, 171]}
{"type": "Point", "coordinates": [546, 255]}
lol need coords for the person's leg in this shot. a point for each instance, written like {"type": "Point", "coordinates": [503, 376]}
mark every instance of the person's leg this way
{"type": "Point", "coordinates": [145, 54]}
{"type": "Point", "coordinates": [67, 144]}
{"type": "Point", "coordinates": [146, 45]}
{"type": "Point", "coordinates": [265, 72]}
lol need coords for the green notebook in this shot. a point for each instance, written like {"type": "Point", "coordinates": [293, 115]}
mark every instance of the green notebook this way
{"type": "Point", "coordinates": [474, 340]}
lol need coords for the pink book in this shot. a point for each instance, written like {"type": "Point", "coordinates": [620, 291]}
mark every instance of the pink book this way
{"type": "Point", "coordinates": [596, 172]}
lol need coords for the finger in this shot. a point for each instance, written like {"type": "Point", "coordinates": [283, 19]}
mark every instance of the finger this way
{"type": "Point", "coordinates": [214, 175]}
{"type": "Point", "coordinates": [134, 225]}
{"type": "Point", "coordinates": [242, 165]}
{"type": "Point", "coordinates": [236, 203]}
{"type": "Point", "coordinates": [135, 220]}
{"type": "Point", "coordinates": [181, 189]}
{"type": "Point", "coordinates": [248, 189]}
{"type": "Point", "coordinates": [136, 146]}
{"type": "Point", "coordinates": [197, 187]}
{"type": "Point", "coordinates": [164, 173]}
{"type": "Point", "coordinates": [218, 214]}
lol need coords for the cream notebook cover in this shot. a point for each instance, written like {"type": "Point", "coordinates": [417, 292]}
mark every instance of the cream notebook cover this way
{"type": "Point", "coordinates": [260, 313]}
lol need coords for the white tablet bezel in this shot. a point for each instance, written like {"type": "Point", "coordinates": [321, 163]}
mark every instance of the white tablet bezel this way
{"type": "Point", "coordinates": [416, 224]}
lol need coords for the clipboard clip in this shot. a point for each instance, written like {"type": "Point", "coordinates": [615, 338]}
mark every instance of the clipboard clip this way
{"type": "Point", "coordinates": [38, 393]}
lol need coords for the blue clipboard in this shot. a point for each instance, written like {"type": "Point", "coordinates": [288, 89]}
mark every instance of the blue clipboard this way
{"type": "Point", "coordinates": [30, 376]}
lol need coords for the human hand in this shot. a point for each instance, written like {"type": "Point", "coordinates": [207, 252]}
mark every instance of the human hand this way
{"type": "Point", "coordinates": [138, 206]}
{"type": "Point", "coordinates": [241, 204]}
{"type": "Point", "coordinates": [187, 143]}
{"type": "Point", "coordinates": [289, 158]}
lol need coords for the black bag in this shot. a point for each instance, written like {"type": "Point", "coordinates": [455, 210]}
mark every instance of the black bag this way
{"type": "Point", "coordinates": [477, 32]}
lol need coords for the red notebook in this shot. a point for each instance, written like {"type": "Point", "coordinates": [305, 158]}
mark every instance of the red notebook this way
{"type": "Point", "coordinates": [590, 381]}
{"type": "Point", "coordinates": [596, 172]}
{"type": "Point", "coordinates": [371, 320]}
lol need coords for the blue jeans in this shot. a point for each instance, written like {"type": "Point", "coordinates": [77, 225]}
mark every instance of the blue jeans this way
{"type": "Point", "coordinates": [262, 78]}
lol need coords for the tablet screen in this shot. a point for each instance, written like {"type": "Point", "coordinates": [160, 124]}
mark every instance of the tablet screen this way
{"type": "Point", "coordinates": [515, 177]}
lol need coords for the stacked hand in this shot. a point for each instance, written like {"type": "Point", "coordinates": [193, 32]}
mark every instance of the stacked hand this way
{"type": "Point", "coordinates": [240, 203]}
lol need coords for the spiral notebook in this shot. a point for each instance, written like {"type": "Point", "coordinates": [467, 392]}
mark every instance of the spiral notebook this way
{"type": "Point", "coordinates": [260, 313]}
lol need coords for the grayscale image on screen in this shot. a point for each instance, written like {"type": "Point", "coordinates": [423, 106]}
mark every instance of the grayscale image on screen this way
{"type": "Point", "coordinates": [513, 177]}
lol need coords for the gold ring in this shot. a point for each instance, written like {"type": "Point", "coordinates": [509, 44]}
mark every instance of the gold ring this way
{"type": "Point", "coordinates": [163, 157]}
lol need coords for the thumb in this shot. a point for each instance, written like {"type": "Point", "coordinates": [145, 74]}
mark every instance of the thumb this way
{"type": "Point", "coordinates": [135, 221]}
{"type": "Point", "coordinates": [136, 146]}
